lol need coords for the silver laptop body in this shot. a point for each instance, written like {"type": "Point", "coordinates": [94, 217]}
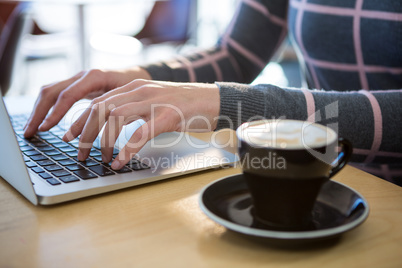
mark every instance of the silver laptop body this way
{"type": "Point", "coordinates": [168, 155]}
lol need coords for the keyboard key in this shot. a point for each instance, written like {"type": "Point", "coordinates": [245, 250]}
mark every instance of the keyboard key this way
{"type": "Point", "coordinates": [123, 170]}
{"type": "Point", "coordinates": [60, 144]}
{"type": "Point", "coordinates": [72, 154]}
{"type": "Point", "coordinates": [89, 163]}
{"type": "Point", "coordinates": [52, 152]}
{"type": "Point", "coordinates": [19, 132]}
{"type": "Point", "coordinates": [94, 153]}
{"type": "Point", "coordinates": [37, 170]}
{"type": "Point", "coordinates": [68, 179]}
{"type": "Point", "coordinates": [38, 157]}
{"type": "Point", "coordinates": [38, 143]}
{"type": "Point", "coordinates": [98, 158]}
{"type": "Point", "coordinates": [46, 162]}
{"type": "Point", "coordinates": [138, 166]}
{"type": "Point", "coordinates": [61, 173]}
{"type": "Point", "coordinates": [26, 158]}
{"type": "Point", "coordinates": [53, 181]}
{"type": "Point", "coordinates": [45, 175]}
{"type": "Point", "coordinates": [46, 148]}
{"type": "Point", "coordinates": [133, 161]}
{"type": "Point", "coordinates": [45, 135]}
{"type": "Point", "coordinates": [74, 143]}
{"type": "Point", "coordinates": [53, 168]}
{"type": "Point", "coordinates": [26, 148]}
{"type": "Point", "coordinates": [30, 164]}
{"type": "Point", "coordinates": [30, 153]}
{"type": "Point", "coordinates": [33, 139]}
{"type": "Point", "coordinates": [54, 140]}
{"type": "Point", "coordinates": [97, 144]}
{"type": "Point", "coordinates": [21, 143]}
{"type": "Point", "coordinates": [67, 162]}
{"type": "Point", "coordinates": [57, 131]}
{"type": "Point", "coordinates": [74, 167]}
{"type": "Point", "coordinates": [101, 170]}
{"type": "Point", "coordinates": [85, 174]}
{"type": "Point", "coordinates": [60, 136]}
{"type": "Point", "coordinates": [67, 148]}
{"type": "Point", "coordinates": [59, 157]}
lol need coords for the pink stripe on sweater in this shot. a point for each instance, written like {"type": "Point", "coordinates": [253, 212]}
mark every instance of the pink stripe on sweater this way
{"type": "Point", "coordinates": [246, 53]}
{"type": "Point", "coordinates": [377, 125]}
{"type": "Point", "coordinates": [189, 67]}
{"type": "Point", "coordinates": [353, 67]}
{"type": "Point", "coordinates": [310, 105]}
{"type": "Point", "coordinates": [357, 45]}
{"type": "Point", "coordinates": [211, 59]}
{"type": "Point", "coordinates": [342, 11]}
{"type": "Point", "coordinates": [298, 34]}
{"type": "Point", "coordinates": [262, 9]}
{"type": "Point", "coordinates": [229, 30]}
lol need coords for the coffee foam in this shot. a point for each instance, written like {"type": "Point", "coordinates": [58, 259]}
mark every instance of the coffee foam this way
{"type": "Point", "coordinates": [286, 134]}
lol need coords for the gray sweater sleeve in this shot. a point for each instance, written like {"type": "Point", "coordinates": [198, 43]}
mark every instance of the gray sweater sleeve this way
{"type": "Point", "coordinates": [369, 119]}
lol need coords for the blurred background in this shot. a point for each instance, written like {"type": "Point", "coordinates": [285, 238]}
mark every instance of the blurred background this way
{"type": "Point", "coordinates": [46, 41]}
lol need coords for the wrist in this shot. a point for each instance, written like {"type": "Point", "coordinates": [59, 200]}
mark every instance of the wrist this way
{"type": "Point", "coordinates": [211, 104]}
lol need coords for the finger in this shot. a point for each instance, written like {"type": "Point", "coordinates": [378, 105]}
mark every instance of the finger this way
{"type": "Point", "coordinates": [45, 101]}
{"type": "Point", "coordinates": [98, 115]}
{"type": "Point", "coordinates": [76, 128]}
{"type": "Point", "coordinates": [118, 117]}
{"type": "Point", "coordinates": [146, 132]}
{"type": "Point", "coordinates": [91, 81]}
{"type": "Point", "coordinates": [111, 99]}
{"type": "Point", "coordinates": [139, 86]}
{"type": "Point", "coordinates": [93, 126]}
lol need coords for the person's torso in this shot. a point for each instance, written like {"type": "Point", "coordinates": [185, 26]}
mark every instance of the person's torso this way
{"type": "Point", "coordinates": [348, 45]}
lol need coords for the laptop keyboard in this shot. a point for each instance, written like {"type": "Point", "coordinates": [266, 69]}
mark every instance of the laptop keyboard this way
{"type": "Point", "coordinates": [56, 161]}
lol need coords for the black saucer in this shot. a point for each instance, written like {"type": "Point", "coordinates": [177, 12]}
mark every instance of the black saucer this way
{"type": "Point", "coordinates": [338, 209]}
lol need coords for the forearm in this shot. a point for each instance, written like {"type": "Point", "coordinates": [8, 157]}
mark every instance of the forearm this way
{"type": "Point", "coordinates": [256, 31]}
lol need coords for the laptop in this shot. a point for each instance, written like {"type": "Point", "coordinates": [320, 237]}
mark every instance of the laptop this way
{"type": "Point", "coordinates": [46, 171]}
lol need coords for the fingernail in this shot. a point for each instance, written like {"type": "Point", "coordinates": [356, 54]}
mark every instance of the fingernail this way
{"type": "Point", "coordinates": [104, 159]}
{"type": "Point", "coordinates": [27, 132]}
{"type": "Point", "coordinates": [67, 136]}
{"type": "Point", "coordinates": [42, 127]}
{"type": "Point", "coordinates": [116, 165]}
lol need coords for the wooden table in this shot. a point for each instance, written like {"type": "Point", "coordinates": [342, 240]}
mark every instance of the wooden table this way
{"type": "Point", "coordinates": [161, 225]}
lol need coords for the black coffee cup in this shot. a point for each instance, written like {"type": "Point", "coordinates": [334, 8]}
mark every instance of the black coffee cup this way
{"type": "Point", "coordinates": [285, 163]}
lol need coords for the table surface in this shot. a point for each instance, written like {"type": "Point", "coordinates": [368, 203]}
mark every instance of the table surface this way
{"type": "Point", "coordinates": [161, 225]}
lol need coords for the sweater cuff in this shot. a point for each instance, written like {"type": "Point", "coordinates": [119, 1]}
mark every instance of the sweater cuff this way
{"type": "Point", "coordinates": [239, 103]}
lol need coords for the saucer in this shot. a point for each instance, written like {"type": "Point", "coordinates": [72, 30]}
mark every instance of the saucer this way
{"type": "Point", "coordinates": [337, 210]}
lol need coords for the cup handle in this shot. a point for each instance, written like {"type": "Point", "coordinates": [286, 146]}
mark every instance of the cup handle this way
{"type": "Point", "coordinates": [343, 156]}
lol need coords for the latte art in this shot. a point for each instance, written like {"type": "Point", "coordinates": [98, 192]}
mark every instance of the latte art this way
{"type": "Point", "coordinates": [288, 134]}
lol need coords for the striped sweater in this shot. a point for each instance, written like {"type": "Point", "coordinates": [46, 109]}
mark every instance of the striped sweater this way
{"type": "Point", "coordinates": [350, 52]}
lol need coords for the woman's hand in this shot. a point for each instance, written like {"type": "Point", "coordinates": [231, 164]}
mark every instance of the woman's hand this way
{"type": "Point", "coordinates": [62, 95]}
{"type": "Point", "coordinates": [164, 106]}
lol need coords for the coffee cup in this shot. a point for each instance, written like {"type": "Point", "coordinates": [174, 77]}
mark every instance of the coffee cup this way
{"type": "Point", "coordinates": [285, 163]}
